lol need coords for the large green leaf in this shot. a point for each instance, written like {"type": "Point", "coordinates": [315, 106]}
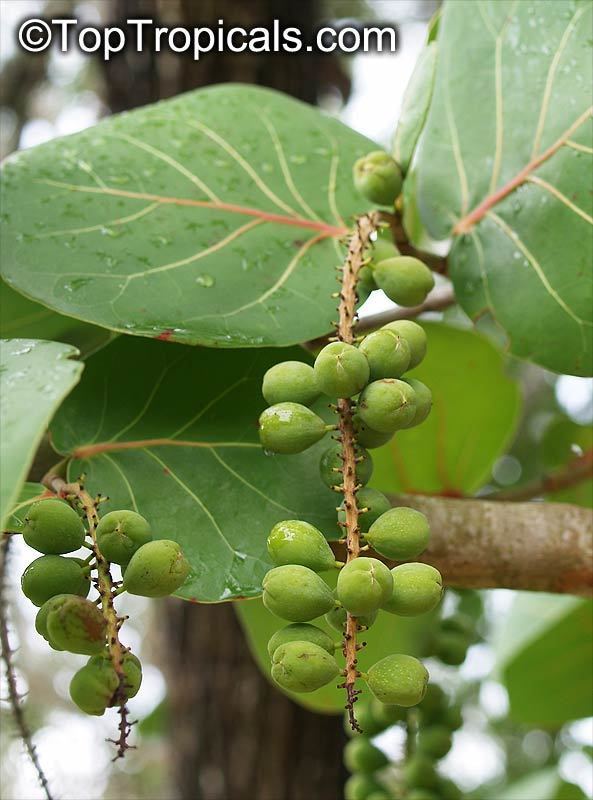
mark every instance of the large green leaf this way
{"type": "Point", "coordinates": [172, 431]}
{"type": "Point", "coordinates": [504, 165]}
{"type": "Point", "coordinates": [30, 492]}
{"type": "Point", "coordinates": [474, 416]}
{"type": "Point", "coordinates": [545, 655]}
{"type": "Point", "coordinates": [35, 376]}
{"type": "Point", "coordinates": [212, 218]}
{"type": "Point", "coordinates": [415, 107]}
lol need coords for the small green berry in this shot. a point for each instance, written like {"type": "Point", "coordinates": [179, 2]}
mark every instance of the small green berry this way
{"type": "Point", "coordinates": [434, 741]}
{"type": "Point", "coordinates": [303, 666]}
{"type": "Point", "coordinates": [296, 593]}
{"type": "Point", "coordinates": [132, 673]}
{"type": "Point", "coordinates": [290, 381]}
{"type": "Point", "coordinates": [415, 336]}
{"type": "Point", "coordinates": [423, 397]}
{"type": "Point", "coordinates": [387, 715]}
{"type": "Point", "coordinates": [375, 502]}
{"type": "Point", "coordinates": [41, 617]}
{"type": "Point", "coordinates": [362, 756]}
{"type": "Point", "coordinates": [296, 542]}
{"type": "Point", "coordinates": [420, 772]}
{"type": "Point", "coordinates": [387, 353]}
{"type": "Point", "coordinates": [156, 569]}
{"type": "Point", "coordinates": [301, 632]}
{"type": "Point", "coordinates": [331, 465]}
{"type": "Point", "coordinates": [337, 618]}
{"type": "Point", "coordinates": [48, 576]}
{"type": "Point", "coordinates": [405, 280]}
{"type": "Point", "coordinates": [398, 680]}
{"type": "Point", "coordinates": [400, 533]}
{"type": "Point", "coordinates": [449, 790]}
{"type": "Point", "coordinates": [459, 623]}
{"type": "Point", "coordinates": [289, 428]}
{"type": "Point", "coordinates": [378, 177]}
{"type": "Point", "coordinates": [364, 585]}
{"type": "Point", "coordinates": [453, 717]}
{"type": "Point", "coordinates": [451, 648]}
{"type": "Point", "coordinates": [387, 405]}
{"type": "Point", "coordinates": [120, 534]}
{"type": "Point", "coordinates": [365, 284]}
{"type": "Point", "coordinates": [53, 527]}
{"type": "Point", "coordinates": [341, 370]}
{"type": "Point", "coordinates": [366, 437]}
{"type": "Point", "coordinates": [94, 687]}
{"type": "Point", "coordinates": [359, 786]}
{"type": "Point", "coordinates": [417, 589]}
{"type": "Point", "coordinates": [383, 247]}
{"type": "Point", "coordinates": [434, 705]}
{"type": "Point", "coordinates": [76, 625]}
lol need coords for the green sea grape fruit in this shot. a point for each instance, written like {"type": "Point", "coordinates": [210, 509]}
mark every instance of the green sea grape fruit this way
{"type": "Point", "coordinates": [296, 593]}
{"type": "Point", "coordinates": [434, 741]}
{"type": "Point", "coordinates": [337, 618]}
{"type": "Point", "coordinates": [341, 370]}
{"type": "Point", "coordinates": [398, 680]}
{"type": "Point", "coordinates": [417, 589]}
{"type": "Point", "coordinates": [94, 687]}
{"type": "Point", "coordinates": [289, 428]}
{"type": "Point", "coordinates": [359, 786]}
{"type": "Point", "coordinates": [451, 648]}
{"type": "Point", "coordinates": [360, 755]}
{"type": "Point", "coordinates": [120, 534]}
{"type": "Point", "coordinates": [400, 533]}
{"type": "Point", "coordinates": [420, 772]}
{"type": "Point", "coordinates": [375, 502]}
{"type": "Point", "coordinates": [378, 177]}
{"type": "Point", "coordinates": [367, 437]}
{"type": "Point", "coordinates": [387, 405]}
{"type": "Point", "coordinates": [415, 336]}
{"type": "Point", "coordinates": [303, 666]}
{"type": "Point", "coordinates": [48, 576]}
{"type": "Point", "coordinates": [387, 716]}
{"type": "Point", "coordinates": [453, 717]}
{"type": "Point", "coordinates": [459, 623]}
{"type": "Point", "coordinates": [383, 247]}
{"type": "Point", "coordinates": [41, 617]}
{"type": "Point", "coordinates": [76, 625]}
{"type": "Point", "coordinates": [331, 461]}
{"type": "Point", "coordinates": [132, 669]}
{"type": "Point", "coordinates": [423, 397]}
{"type": "Point", "coordinates": [404, 279]}
{"type": "Point", "coordinates": [301, 632]}
{"type": "Point", "coordinates": [364, 585]}
{"type": "Point", "coordinates": [293, 541]}
{"type": "Point", "coordinates": [290, 381]}
{"type": "Point", "coordinates": [434, 705]}
{"type": "Point", "coordinates": [156, 569]}
{"type": "Point", "coordinates": [387, 353]}
{"type": "Point", "coordinates": [365, 283]}
{"type": "Point", "coordinates": [53, 527]}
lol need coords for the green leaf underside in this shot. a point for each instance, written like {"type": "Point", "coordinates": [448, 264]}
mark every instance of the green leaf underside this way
{"type": "Point", "coordinates": [546, 658]}
{"type": "Point", "coordinates": [35, 376]}
{"type": "Point", "coordinates": [205, 482]}
{"type": "Point", "coordinates": [471, 394]}
{"type": "Point", "coordinates": [508, 136]}
{"type": "Point", "coordinates": [213, 218]}
{"type": "Point", "coordinates": [415, 106]}
{"type": "Point", "coordinates": [389, 634]}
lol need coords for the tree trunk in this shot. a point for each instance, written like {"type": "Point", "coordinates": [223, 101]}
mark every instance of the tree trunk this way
{"type": "Point", "coordinates": [233, 735]}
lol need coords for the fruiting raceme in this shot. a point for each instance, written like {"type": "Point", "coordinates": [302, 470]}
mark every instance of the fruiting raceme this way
{"type": "Point", "coordinates": [331, 466]}
{"type": "Point", "coordinates": [53, 527]}
{"type": "Point", "coordinates": [296, 542]}
{"type": "Point", "coordinates": [289, 428]}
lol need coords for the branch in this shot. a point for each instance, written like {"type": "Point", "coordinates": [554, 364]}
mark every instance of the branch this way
{"type": "Point", "coordinates": [437, 300]}
{"type": "Point", "coordinates": [577, 470]}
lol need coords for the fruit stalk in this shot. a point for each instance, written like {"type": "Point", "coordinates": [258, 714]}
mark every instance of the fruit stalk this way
{"type": "Point", "coordinates": [76, 495]}
{"type": "Point", "coordinates": [359, 243]}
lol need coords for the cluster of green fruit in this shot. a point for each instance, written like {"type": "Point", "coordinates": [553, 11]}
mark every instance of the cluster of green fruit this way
{"type": "Point", "coordinates": [59, 586]}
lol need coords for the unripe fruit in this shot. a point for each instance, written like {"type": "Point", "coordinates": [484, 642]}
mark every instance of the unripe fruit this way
{"type": "Point", "coordinates": [423, 397]}
{"type": "Point", "coordinates": [296, 542]}
{"type": "Point", "coordinates": [398, 680]}
{"type": "Point", "coordinates": [303, 667]}
{"type": "Point", "coordinates": [341, 370]}
{"type": "Point", "coordinates": [434, 741]}
{"type": "Point", "coordinates": [48, 576]}
{"type": "Point", "coordinates": [290, 428]}
{"type": "Point", "coordinates": [451, 648]}
{"type": "Point", "coordinates": [459, 623]}
{"type": "Point", "coordinates": [453, 717]}
{"type": "Point", "coordinates": [378, 177]}
{"type": "Point", "coordinates": [387, 405]}
{"type": "Point", "coordinates": [41, 617]}
{"type": "Point", "coordinates": [331, 466]}
{"type": "Point", "coordinates": [415, 336]}
{"type": "Point", "coordinates": [400, 533]}
{"type": "Point", "coordinates": [383, 247]}
{"type": "Point", "coordinates": [404, 279]}
{"type": "Point", "coordinates": [371, 499]}
{"type": "Point", "coordinates": [387, 353]}
{"type": "Point", "coordinates": [120, 534]}
{"type": "Point", "coordinates": [132, 670]}
{"type": "Point", "coordinates": [448, 790]}
{"type": "Point", "coordinates": [365, 283]}
{"type": "Point", "coordinates": [337, 618]}
{"type": "Point", "coordinates": [364, 585]}
{"type": "Point", "coordinates": [417, 589]}
{"type": "Point", "coordinates": [362, 756]}
{"type": "Point", "coordinates": [94, 687]}
{"type": "Point", "coordinates": [366, 437]}
{"type": "Point", "coordinates": [387, 716]}
{"type": "Point", "coordinates": [296, 593]}
{"type": "Point", "coordinates": [290, 381]}
{"type": "Point", "coordinates": [421, 773]}
{"type": "Point", "coordinates": [157, 569]}
{"type": "Point", "coordinates": [53, 527]}
{"type": "Point", "coordinates": [359, 786]}
{"type": "Point", "coordinates": [76, 625]}
{"type": "Point", "coordinates": [301, 632]}
{"type": "Point", "coordinates": [434, 705]}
